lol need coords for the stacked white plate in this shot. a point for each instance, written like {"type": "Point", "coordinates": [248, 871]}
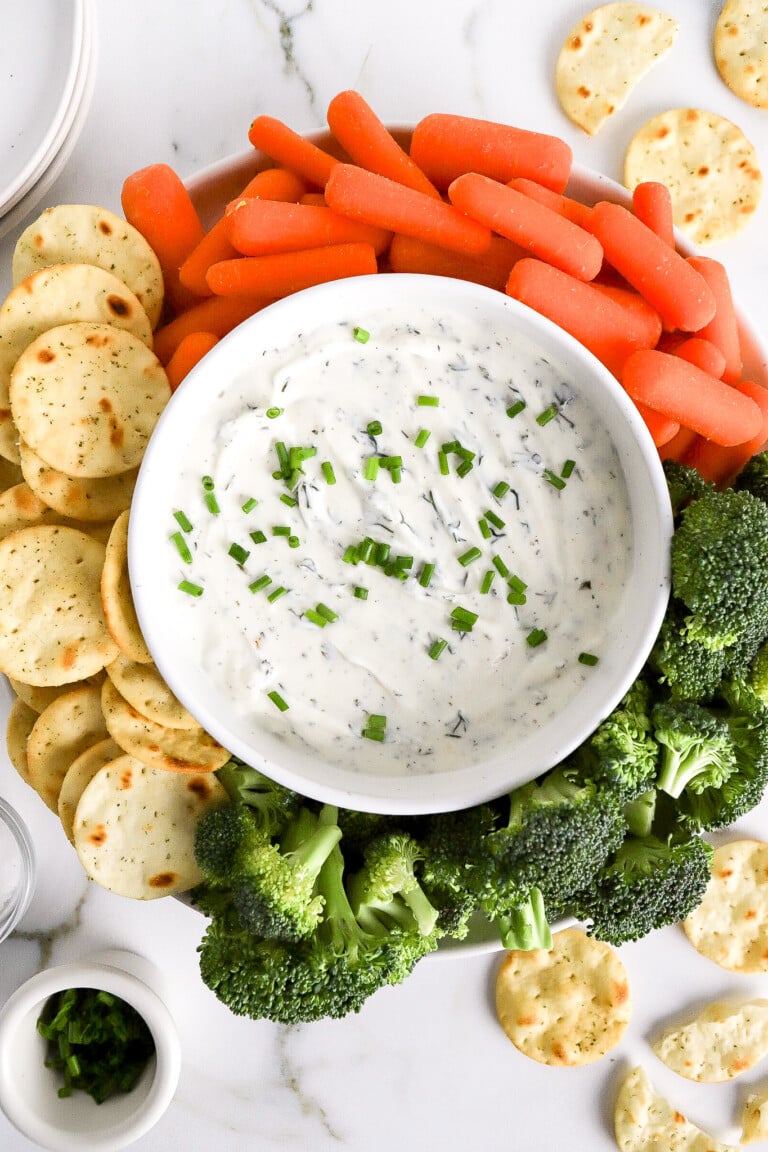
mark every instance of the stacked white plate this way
{"type": "Point", "coordinates": [47, 56]}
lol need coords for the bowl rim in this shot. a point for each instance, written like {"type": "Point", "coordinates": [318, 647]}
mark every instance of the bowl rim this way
{"type": "Point", "coordinates": [108, 971]}
{"type": "Point", "coordinates": [20, 833]}
{"type": "Point", "coordinates": [399, 795]}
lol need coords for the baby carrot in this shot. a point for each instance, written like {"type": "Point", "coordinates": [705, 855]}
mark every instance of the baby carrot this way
{"type": "Point", "coordinates": [704, 354]}
{"type": "Point", "coordinates": [538, 229]}
{"type": "Point", "coordinates": [652, 203]}
{"type": "Point", "coordinates": [189, 353]}
{"type": "Point", "coordinates": [290, 150]}
{"type": "Point", "coordinates": [408, 254]}
{"type": "Point", "coordinates": [661, 428]}
{"type": "Point", "coordinates": [374, 199]}
{"type": "Point", "coordinates": [678, 446]}
{"type": "Point", "coordinates": [611, 324]}
{"type": "Point", "coordinates": [719, 464]}
{"type": "Point", "coordinates": [573, 210]}
{"type": "Point", "coordinates": [370, 144]}
{"type": "Point", "coordinates": [276, 184]}
{"type": "Point", "coordinates": [155, 201]}
{"type": "Point", "coordinates": [282, 273]}
{"type": "Point", "coordinates": [723, 329]}
{"type": "Point", "coordinates": [444, 146]}
{"type": "Point", "coordinates": [217, 315]}
{"type": "Point", "coordinates": [316, 199]}
{"type": "Point", "coordinates": [683, 392]}
{"type": "Point", "coordinates": [669, 283]}
{"type": "Point", "coordinates": [259, 227]}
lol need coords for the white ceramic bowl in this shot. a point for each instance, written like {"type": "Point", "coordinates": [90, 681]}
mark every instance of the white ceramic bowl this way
{"type": "Point", "coordinates": [17, 869]}
{"type": "Point", "coordinates": [28, 1090]}
{"type": "Point", "coordinates": [366, 785]}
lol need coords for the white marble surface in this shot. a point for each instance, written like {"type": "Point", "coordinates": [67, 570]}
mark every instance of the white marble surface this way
{"type": "Point", "coordinates": [424, 1065]}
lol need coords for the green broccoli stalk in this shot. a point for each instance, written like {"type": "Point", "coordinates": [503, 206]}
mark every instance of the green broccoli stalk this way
{"type": "Point", "coordinates": [697, 748]}
{"type": "Point", "coordinates": [386, 887]}
{"type": "Point", "coordinates": [525, 926]}
{"type": "Point", "coordinates": [640, 812]}
{"type": "Point", "coordinates": [647, 884]}
{"type": "Point", "coordinates": [270, 803]}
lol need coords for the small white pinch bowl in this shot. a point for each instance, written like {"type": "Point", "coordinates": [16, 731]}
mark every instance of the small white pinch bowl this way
{"type": "Point", "coordinates": [29, 1090]}
{"type": "Point", "coordinates": [17, 869]}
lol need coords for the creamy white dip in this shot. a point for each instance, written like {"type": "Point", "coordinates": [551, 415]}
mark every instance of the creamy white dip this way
{"type": "Point", "coordinates": [569, 542]}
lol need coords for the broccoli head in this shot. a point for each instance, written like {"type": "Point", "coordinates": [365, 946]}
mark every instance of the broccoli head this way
{"type": "Point", "coordinates": [689, 670]}
{"type": "Point", "coordinates": [697, 749]}
{"type": "Point", "coordinates": [219, 835]}
{"type": "Point", "coordinates": [754, 477]}
{"type": "Point", "coordinates": [622, 752]}
{"type": "Point", "coordinates": [456, 870]}
{"type": "Point", "coordinates": [271, 804]}
{"type": "Point", "coordinates": [684, 484]}
{"type": "Point", "coordinates": [386, 888]}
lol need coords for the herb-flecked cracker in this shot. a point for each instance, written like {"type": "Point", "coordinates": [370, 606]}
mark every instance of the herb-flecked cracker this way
{"type": "Point", "coordinates": [741, 49]}
{"type": "Point", "coordinates": [730, 926]}
{"type": "Point", "coordinates": [117, 597]}
{"type": "Point", "coordinates": [643, 1120]}
{"type": "Point", "coordinates": [721, 1042]}
{"type": "Point", "coordinates": [69, 725]}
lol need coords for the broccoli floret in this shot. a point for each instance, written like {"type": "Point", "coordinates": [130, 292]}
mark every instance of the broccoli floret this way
{"type": "Point", "coordinates": [456, 870]}
{"type": "Point", "coordinates": [688, 669]}
{"type": "Point", "coordinates": [270, 802]}
{"type": "Point", "coordinates": [719, 572]}
{"type": "Point", "coordinates": [274, 885]}
{"type": "Point", "coordinates": [640, 812]}
{"type": "Point", "coordinates": [386, 888]}
{"type": "Point", "coordinates": [525, 926]}
{"type": "Point", "coordinates": [359, 828]}
{"type": "Point", "coordinates": [647, 884]}
{"type": "Point", "coordinates": [757, 676]}
{"type": "Point", "coordinates": [621, 751]}
{"type": "Point", "coordinates": [559, 832]}
{"type": "Point", "coordinates": [684, 484]}
{"type": "Point", "coordinates": [697, 749]}
{"type": "Point", "coordinates": [219, 836]}
{"type": "Point", "coordinates": [754, 477]}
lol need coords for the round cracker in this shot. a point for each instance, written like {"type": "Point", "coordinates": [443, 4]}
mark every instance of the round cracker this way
{"type": "Point", "coordinates": [52, 627]}
{"type": "Point", "coordinates": [79, 774]}
{"type": "Point", "coordinates": [593, 80]}
{"type": "Point", "coordinates": [78, 497]}
{"type": "Point", "coordinates": [54, 296]}
{"type": "Point", "coordinates": [754, 1117]}
{"type": "Point", "coordinates": [721, 1042]}
{"type": "Point", "coordinates": [741, 49]}
{"type": "Point", "coordinates": [645, 1120]}
{"type": "Point", "coordinates": [710, 167]}
{"type": "Point", "coordinates": [87, 234]}
{"type": "Point", "coordinates": [117, 598]}
{"type": "Point", "coordinates": [135, 828]}
{"type": "Point", "coordinates": [565, 1006]}
{"type": "Point", "coordinates": [21, 720]}
{"type": "Point", "coordinates": [20, 507]}
{"type": "Point", "coordinates": [86, 398]}
{"type": "Point", "coordinates": [730, 926]}
{"type": "Point", "coordinates": [68, 726]}
{"type": "Point", "coordinates": [38, 698]}
{"type": "Point", "coordinates": [168, 749]}
{"type": "Point", "coordinates": [146, 691]}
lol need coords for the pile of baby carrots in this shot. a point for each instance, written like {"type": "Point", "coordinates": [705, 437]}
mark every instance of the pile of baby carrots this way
{"type": "Point", "coordinates": [479, 201]}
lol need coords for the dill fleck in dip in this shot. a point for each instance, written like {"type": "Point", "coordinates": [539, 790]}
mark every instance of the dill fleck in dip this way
{"type": "Point", "coordinates": [405, 531]}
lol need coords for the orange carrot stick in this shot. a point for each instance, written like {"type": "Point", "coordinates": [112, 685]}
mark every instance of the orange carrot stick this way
{"type": "Point", "coordinates": [573, 210]}
{"type": "Point", "coordinates": [261, 227]}
{"type": "Point", "coordinates": [669, 283]}
{"type": "Point", "coordinates": [721, 465]}
{"type": "Point", "coordinates": [217, 314]}
{"type": "Point", "coordinates": [532, 225]}
{"type": "Point", "coordinates": [290, 150]}
{"type": "Point", "coordinates": [316, 199]}
{"type": "Point", "coordinates": [408, 254]}
{"type": "Point", "coordinates": [375, 199]}
{"type": "Point", "coordinates": [444, 146]}
{"type": "Point", "coordinates": [607, 323]}
{"type": "Point", "coordinates": [276, 184]}
{"type": "Point", "coordinates": [661, 428]}
{"type": "Point", "coordinates": [652, 203]}
{"type": "Point", "coordinates": [189, 353]}
{"type": "Point", "coordinates": [370, 144]}
{"type": "Point", "coordinates": [155, 201]}
{"type": "Point", "coordinates": [676, 448]}
{"type": "Point", "coordinates": [683, 392]}
{"type": "Point", "coordinates": [704, 354]}
{"type": "Point", "coordinates": [723, 329]}
{"type": "Point", "coordinates": [281, 274]}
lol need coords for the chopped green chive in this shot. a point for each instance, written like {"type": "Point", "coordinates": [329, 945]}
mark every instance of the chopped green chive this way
{"type": "Point", "coordinates": [211, 502]}
{"type": "Point", "coordinates": [515, 409]}
{"type": "Point", "coordinates": [469, 556]}
{"type": "Point", "coordinates": [371, 470]}
{"type": "Point", "coordinates": [278, 592]}
{"type": "Point", "coordinates": [360, 335]}
{"type": "Point", "coordinates": [422, 438]}
{"type": "Point", "coordinates": [500, 566]}
{"type": "Point", "coordinates": [249, 504]}
{"type": "Point", "coordinates": [501, 489]}
{"type": "Point", "coordinates": [494, 519]}
{"type": "Point", "coordinates": [488, 579]}
{"type": "Point", "coordinates": [273, 413]}
{"type": "Point", "coordinates": [293, 541]}
{"type": "Point", "coordinates": [207, 483]}
{"type": "Point", "coordinates": [485, 531]}
{"type": "Point", "coordinates": [183, 521]}
{"type": "Point", "coordinates": [442, 461]}
{"type": "Point", "coordinates": [278, 701]}
{"type": "Point", "coordinates": [327, 613]}
{"type": "Point", "coordinates": [514, 596]}
{"type": "Point", "coordinates": [464, 468]}
{"type": "Point", "coordinates": [536, 637]}
{"type": "Point", "coordinates": [376, 734]}
{"type": "Point", "coordinates": [567, 469]}
{"type": "Point", "coordinates": [374, 428]}
{"type": "Point", "coordinates": [464, 614]}
{"type": "Point", "coordinates": [375, 727]}
{"type": "Point", "coordinates": [436, 648]}
{"type": "Point", "coordinates": [428, 401]}
{"type": "Point", "coordinates": [516, 584]}
{"type": "Point", "coordinates": [360, 592]}
{"type": "Point", "coordinates": [282, 458]}
{"type": "Point", "coordinates": [426, 574]}
{"type": "Point", "coordinates": [382, 552]}
{"type": "Point", "coordinates": [315, 618]}
{"type": "Point", "coordinates": [553, 479]}
{"type": "Point", "coordinates": [281, 530]}
{"type": "Point", "coordinates": [259, 584]}
{"type": "Point", "coordinates": [258, 537]}
{"type": "Point", "coordinates": [391, 462]}
{"type": "Point", "coordinates": [328, 473]}
{"type": "Point", "coordinates": [351, 555]}
{"type": "Point", "coordinates": [588, 658]}
{"type": "Point", "coordinates": [291, 501]}
{"type": "Point", "coordinates": [367, 550]}
{"type": "Point", "coordinates": [190, 588]}
{"type": "Point", "coordinates": [238, 553]}
{"type": "Point", "coordinates": [181, 547]}
{"type": "Point", "coordinates": [547, 415]}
